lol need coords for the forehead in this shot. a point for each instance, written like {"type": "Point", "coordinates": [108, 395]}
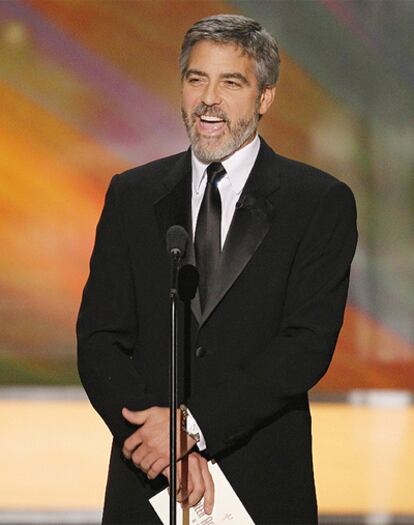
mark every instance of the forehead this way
{"type": "Point", "coordinates": [221, 58]}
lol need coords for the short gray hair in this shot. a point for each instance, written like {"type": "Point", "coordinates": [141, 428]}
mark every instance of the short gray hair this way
{"type": "Point", "coordinates": [246, 33]}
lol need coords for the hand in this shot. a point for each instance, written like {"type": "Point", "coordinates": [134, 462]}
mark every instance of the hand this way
{"type": "Point", "coordinates": [194, 482]}
{"type": "Point", "coordinates": [149, 446]}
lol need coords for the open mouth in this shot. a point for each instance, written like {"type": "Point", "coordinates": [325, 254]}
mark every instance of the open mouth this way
{"type": "Point", "coordinates": [210, 124]}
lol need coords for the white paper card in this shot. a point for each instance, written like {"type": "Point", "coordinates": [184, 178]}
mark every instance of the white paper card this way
{"type": "Point", "coordinates": [228, 509]}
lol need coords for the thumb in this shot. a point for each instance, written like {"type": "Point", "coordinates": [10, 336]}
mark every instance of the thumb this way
{"type": "Point", "coordinates": [137, 417]}
{"type": "Point", "coordinates": [166, 473]}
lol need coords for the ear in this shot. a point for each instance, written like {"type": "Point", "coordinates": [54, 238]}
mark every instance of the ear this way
{"type": "Point", "coordinates": [266, 98]}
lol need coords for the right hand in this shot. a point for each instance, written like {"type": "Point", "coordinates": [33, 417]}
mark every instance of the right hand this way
{"type": "Point", "coordinates": [196, 485]}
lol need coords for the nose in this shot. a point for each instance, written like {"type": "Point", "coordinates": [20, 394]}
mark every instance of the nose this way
{"type": "Point", "coordinates": [211, 95]}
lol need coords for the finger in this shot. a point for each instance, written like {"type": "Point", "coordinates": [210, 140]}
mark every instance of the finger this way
{"type": "Point", "coordinates": [130, 444]}
{"type": "Point", "coordinates": [179, 484]}
{"type": "Point", "coordinates": [198, 487]}
{"type": "Point", "coordinates": [183, 483]}
{"type": "Point", "coordinates": [179, 493]}
{"type": "Point", "coordinates": [147, 462]}
{"type": "Point", "coordinates": [137, 417]}
{"type": "Point", "coordinates": [186, 484]}
{"type": "Point", "coordinates": [209, 484]}
{"type": "Point", "coordinates": [156, 468]}
{"type": "Point", "coordinates": [166, 473]}
{"type": "Point", "coordinates": [139, 454]}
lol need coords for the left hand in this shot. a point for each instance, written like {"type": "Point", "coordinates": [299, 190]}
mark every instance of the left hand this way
{"type": "Point", "coordinates": [194, 482]}
{"type": "Point", "coordinates": [149, 446]}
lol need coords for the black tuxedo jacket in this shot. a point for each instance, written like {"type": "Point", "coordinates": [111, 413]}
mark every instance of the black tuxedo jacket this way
{"type": "Point", "coordinates": [265, 338]}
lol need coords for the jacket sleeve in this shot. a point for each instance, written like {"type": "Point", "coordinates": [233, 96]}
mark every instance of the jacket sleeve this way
{"type": "Point", "coordinates": [107, 326]}
{"type": "Point", "coordinates": [299, 355]}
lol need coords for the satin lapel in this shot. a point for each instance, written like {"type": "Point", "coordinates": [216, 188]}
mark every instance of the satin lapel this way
{"type": "Point", "coordinates": [174, 207]}
{"type": "Point", "coordinates": [250, 224]}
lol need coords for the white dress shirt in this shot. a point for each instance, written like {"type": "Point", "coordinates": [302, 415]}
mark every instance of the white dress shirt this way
{"type": "Point", "coordinates": [238, 167]}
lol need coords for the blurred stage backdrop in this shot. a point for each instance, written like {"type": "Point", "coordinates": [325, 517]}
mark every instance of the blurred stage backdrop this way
{"type": "Point", "coordinates": [89, 88]}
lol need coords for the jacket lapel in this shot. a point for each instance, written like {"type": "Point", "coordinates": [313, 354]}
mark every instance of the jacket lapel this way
{"type": "Point", "coordinates": [251, 222]}
{"type": "Point", "coordinates": [174, 207]}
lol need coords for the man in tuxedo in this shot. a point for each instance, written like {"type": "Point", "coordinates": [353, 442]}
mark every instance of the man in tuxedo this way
{"type": "Point", "coordinates": [273, 240]}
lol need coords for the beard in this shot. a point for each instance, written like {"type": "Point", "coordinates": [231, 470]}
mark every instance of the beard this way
{"type": "Point", "coordinates": [214, 149]}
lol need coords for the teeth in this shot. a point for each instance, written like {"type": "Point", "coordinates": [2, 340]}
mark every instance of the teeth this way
{"type": "Point", "coordinates": [210, 119]}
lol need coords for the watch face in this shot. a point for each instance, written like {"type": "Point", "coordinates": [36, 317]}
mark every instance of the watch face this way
{"type": "Point", "coordinates": [196, 437]}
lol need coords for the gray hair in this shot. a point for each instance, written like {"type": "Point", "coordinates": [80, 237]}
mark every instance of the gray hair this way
{"type": "Point", "coordinates": [246, 33]}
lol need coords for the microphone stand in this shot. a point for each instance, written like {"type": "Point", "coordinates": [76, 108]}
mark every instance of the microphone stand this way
{"type": "Point", "coordinates": [183, 284]}
{"type": "Point", "coordinates": [175, 259]}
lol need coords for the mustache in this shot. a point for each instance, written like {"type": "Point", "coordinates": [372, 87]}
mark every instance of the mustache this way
{"type": "Point", "coordinates": [209, 111]}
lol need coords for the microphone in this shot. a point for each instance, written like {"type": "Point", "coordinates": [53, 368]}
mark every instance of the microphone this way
{"type": "Point", "coordinates": [177, 239]}
{"type": "Point", "coordinates": [188, 278]}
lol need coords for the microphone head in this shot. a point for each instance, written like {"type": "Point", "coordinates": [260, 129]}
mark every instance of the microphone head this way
{"type": "Point", "coordinates": [177, 239]}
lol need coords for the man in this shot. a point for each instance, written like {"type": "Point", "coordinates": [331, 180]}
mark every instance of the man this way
{"type": "Point", "coordinates": [273, 241]}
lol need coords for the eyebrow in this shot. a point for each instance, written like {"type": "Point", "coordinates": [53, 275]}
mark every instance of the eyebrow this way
{"type": "Point", "coordinates": [225, 76]}
{"type": "Point", "coordinates": [194, 72]}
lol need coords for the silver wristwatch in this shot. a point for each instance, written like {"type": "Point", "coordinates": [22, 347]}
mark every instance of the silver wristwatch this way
{"type": "Point", "coordinates": [188, 425]}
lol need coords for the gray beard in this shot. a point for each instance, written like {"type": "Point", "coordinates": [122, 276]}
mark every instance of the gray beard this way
{"type": "Point", "coordinates": [239, 133]}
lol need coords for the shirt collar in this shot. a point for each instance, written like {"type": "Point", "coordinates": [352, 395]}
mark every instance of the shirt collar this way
{"type": "Point", "coordinates": [238, 166]}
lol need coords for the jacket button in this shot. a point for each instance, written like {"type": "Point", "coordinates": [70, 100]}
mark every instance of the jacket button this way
{"type": "Point", "coordinates": [200, 351]}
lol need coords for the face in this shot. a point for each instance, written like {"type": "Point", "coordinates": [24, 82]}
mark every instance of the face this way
{"type": "Point", "coordinates": [221, 103]}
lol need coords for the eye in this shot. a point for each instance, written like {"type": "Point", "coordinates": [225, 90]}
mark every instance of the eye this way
{"type": "Point", "coordinates": [194, 81]}
{"type": "Point", "coordinates": [232, 84]}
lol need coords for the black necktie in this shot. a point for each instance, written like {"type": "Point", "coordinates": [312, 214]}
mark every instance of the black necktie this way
{"type": "Point", "coordinates": [208, 237]}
